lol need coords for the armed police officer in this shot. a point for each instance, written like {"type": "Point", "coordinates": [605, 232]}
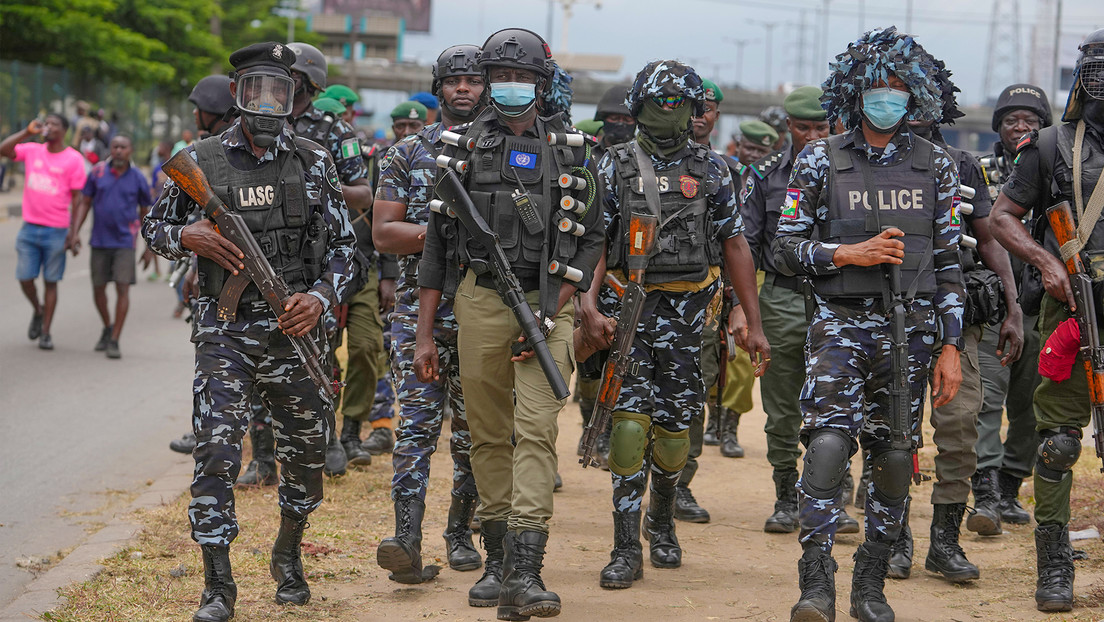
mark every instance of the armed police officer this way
{"type": "Point", "coordinates": [664, 175]}
{"type": "Point", "coordinates": [286, 189]}
{"type": "Point", "coordinates": [409, 171]}
{"type": "Point", "coordinates": [1059, 163]}
{"type": "Point", "coordinates": [1020, 110]}
{"type": "Point", "coordinates": [851, 234]}
{"type": "Point", "coordinates": [520, 182]}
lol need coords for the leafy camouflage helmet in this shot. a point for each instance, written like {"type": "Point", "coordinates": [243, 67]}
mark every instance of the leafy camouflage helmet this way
{"type": "Point", "coordinates": [458, 60]}
{"type": "Point", "coordinates": [666, 78]}
{"type": "Point", "coordinates": [518, 48]}
{"type": "Point", "coordinates": [310, 62]}
{"type": "Point", "coordinates": [558, 95]}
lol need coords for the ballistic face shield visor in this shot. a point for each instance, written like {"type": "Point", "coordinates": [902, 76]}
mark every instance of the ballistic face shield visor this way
{"type": "Point", "coordinates": [265, 94]}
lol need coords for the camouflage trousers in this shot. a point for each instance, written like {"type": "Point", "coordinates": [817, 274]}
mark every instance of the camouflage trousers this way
{"type": "Point", "coordinates": [848, 372]}
{"type": "Point", "coordinates": [422, 404]}
{"type": "Point", "coordinates": [383, 404]}
{"type": "Point", "coordinates": [665, 378]}
{"type": "Point", "coordinates": [230, 377]}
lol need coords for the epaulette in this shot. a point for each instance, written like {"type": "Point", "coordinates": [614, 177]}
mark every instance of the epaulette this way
{"type": "Point", "coordinates": [371, 153]}
{"type": "Point", "coordinates": [1028, 139]}
{"type": "Point", "coordinates": [767, 163]}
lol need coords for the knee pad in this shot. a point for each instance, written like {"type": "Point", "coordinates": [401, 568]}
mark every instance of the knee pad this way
{"type": "Point", "coordinates": [891, 472]}
{"type": "Point", "coordinates": [628, 440]}
{"type": "Point", "coordinates": [826, 454]}
{"type": "Point", "coordinates": [671, 449]}
{"type": "Point", "coordinates": [1058, 453]}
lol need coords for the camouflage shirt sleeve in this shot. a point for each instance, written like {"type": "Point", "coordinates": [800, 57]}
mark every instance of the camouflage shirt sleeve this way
{"type": "Point", "coordinates": [793, 245]}
{"type": "Point", "coordinates": [727, 221]}
{"type": "Point", "coordinates": [394, 178]}
{"type": "Point", "coordinates": [345, 148]}
{"type": "Point", "coordinates": [949, 294]}
{"type": "Point", "coordinates": [338, 261]}
{"type": "Point", "coordinates": [165, 220]}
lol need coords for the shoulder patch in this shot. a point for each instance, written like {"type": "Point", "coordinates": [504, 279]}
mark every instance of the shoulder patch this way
{"type": "Point", "coordinates": [1028, 139]}
{"type": "Point", "coordinates": [789, 208]}
{"type": "Point", "coordinates": [956, 216]}
{"type": "Point", "coordinates": [688, 186]}
{"type": "Point", "coordinates": [748, 188]}
{"type": "Point", "coordinates": [350, 148]}
{"type": "Point", "coordinates": [332, 178]}
{"type": "Point", "coordinates": [388, 158]}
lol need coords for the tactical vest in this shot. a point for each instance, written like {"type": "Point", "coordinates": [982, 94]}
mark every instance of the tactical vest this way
{"type": "Point", "coordinates": [273, 201]}
{"type": "Point", "coordinates": [1092, 162]}
{"type": "Point", "coordinates": [906, 198]}
{"type": "Point", "coordinates": [686, 242]}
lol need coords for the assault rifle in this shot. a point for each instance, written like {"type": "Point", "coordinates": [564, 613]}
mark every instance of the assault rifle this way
{"type": "Point", "coordinates": [900, 392]}
{"type": "Point", "coordinates": [1061, 223]}
{"type": "Point", "coordinates": [642, 235]}
{"type": "Point", "coordinates": [185, 172]}
{"type": "Point", "coordinates": [726, 352]}
{"type": "Point", "coordinates": [457, 203]}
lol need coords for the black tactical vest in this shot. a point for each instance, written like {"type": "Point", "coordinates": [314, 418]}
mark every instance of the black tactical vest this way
{"type": "Point", "coordinates": [686, 243]}
{"type": "Point", "coordinates": [906, 198]}
{"type": "Point", "coordinates": [1092, 162]}
{"type": "Point", "coordinates": [272, 199]}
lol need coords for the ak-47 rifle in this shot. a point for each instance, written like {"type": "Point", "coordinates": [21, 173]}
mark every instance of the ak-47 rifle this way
{"type": "Point", "coordinates": [185, 172]}
{"type": "Point", "coordinates": [642, 235]}
{"type": "Point", "coordinates": [900, 393]}
{"type": "Point", "coordinates": [1061, 223]}
{"type": "Point", "coordinates": [457, 203]}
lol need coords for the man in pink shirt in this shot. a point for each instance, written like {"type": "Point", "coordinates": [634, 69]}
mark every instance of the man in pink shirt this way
{"type": "Point", "coordinates": [54, 178]}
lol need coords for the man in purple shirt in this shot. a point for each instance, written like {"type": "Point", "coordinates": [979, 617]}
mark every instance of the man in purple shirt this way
{"type": "Point", "coordinates": [119, 196]}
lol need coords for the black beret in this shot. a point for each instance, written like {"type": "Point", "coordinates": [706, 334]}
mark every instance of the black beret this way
{"type": "Point", "coordinates": [268, 54]}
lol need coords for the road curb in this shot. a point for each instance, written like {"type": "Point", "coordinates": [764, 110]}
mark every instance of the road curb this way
{"type": "Point", "coordinates": [41, 595]}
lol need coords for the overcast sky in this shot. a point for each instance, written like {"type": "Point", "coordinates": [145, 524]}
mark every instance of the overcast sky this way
{"type": "Point", "coordinates": [705, 33]}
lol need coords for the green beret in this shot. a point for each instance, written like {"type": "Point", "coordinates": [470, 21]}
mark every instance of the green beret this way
{"type": "Point", "coordinates": [713, 93]}
{"type": "Point", "coordinates": [409, 110]}
{"type": "Point", "coordinates": [589, 127]}
{"type": "Point", "coordinates": [759, 133]}
{"type": "Point", "coordinates": [804, 103]}
{"type": "Point", "coordinates": [343, 94]}
{"type": "Point", "coordinates": [328, 104]}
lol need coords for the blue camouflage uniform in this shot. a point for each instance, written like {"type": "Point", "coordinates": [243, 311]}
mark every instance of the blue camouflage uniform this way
{"type": "Point", "coordinates": [407, 175]}
{"type": "Point", "coordinates": [236, 358]}
{"type": "Point", "coordinates": [848, 347]}
{"type": "Point", "coordinates": [665, 382]}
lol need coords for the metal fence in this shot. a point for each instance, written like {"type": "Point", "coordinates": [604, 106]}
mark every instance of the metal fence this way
{"type": "Point", "coordinates": [147, 116]}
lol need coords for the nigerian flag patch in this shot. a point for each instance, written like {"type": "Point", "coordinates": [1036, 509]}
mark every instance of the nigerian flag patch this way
{"type": "Point", "coordinates": [350, 148]}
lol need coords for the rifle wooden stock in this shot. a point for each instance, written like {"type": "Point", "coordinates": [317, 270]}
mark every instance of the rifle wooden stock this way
{"type": "Point", "coordinates": [1092, 354]}
{"type": "Point", "coordinates": [186, 174]}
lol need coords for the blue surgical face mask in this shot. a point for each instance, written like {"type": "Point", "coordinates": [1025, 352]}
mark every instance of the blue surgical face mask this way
{"type": "Point", "coordinates": [884, 108]}
{"type": "Point", "coordinates": [513, 94]}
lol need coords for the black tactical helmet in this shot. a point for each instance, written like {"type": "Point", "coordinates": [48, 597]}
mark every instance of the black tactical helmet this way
{"type": "Point", "coordinates": [458, 60]}
{"type": "Point", "coordinates": [1022, 97]}
{"type": "Point", "coordinates": [310, 62]}
{"type": "Point", "coordinates": [518, 48]}
{"type": "Point", "coordinates": [666, 78]}
{"type": "Point", "coordinates": [613, 102]}
{"type": "Point", "coordinates": [212, 95]}
{"type": "Point", "coordinates": [1088, 75]}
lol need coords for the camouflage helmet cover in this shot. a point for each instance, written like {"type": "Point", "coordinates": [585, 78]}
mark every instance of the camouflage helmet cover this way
{"type": "Point", "coordinates": [666, 78]}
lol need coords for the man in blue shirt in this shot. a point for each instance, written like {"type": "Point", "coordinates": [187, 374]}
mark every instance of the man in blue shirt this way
{"type": "Point", "coordinates": [119, 196]}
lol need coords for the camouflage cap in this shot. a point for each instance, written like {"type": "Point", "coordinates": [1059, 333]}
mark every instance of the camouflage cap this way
{"type": "Point", "coordinates": [804, 103]}
{"type": "Point", "coordinates": [409, 110]}
{"type": "Point", "coordinates": [713, 93]}
{"type": "Point", "coordinates": [341, 93]}
{"type": "Point", "coordinates": [328, 104]}
{"type": "Point", "coordinates": [758, 133]}
{"type": "Point", "coordinates": [666, 78]}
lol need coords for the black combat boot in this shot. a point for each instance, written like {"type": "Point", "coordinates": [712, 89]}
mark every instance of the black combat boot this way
{"type": "Point", "coordinates": [458, 534]}
{"type": "Point", "coordinates": [402, 554]}
{"type": "Point", "coordinates": [845, 523]}
{"type": "Point", "coordinates": [709, 434]}
{"type": "Point", "coordinates": [627, 557]}
{"type": "Point", "coordinates": [868, 602]}
{"type": "Point", "coordinates": [900, 552]}
{"type": "Point", "coordinates": [730, 444]}
{"type": "Point", "coordinates": [380, 441]}
{"type": "Point", "coordinates": [262, 468]}
{"type": "Point", "coordinates": [183, 445]}
{"type": "Point", "coordinates": [660, 525]}
{"type": "Point", "coordinates": [216, 604]}
{"type": "Point", "coordinates": [1054, 557]}
{"type": "Point", "coordinates": [350, 442]}
{"type": "Point", "coordinates": [945, 556]}
{"type": "Point", "coordinates": [1010, 509]}
{"type": "Point", "coordinates": [336, 461]}
{"type": "Point", "coordinates": [687, 508]}
{"type": "Point", "coordinates": [523, 593]}
{"type": "Point", "coordinates": [784, 519]}
{"type": "Point", "coordinates": [986, 518]}
{"type": "Point", "coordinates": [286, 566]}
{"type": "Point", "coordinates": [816, 576]}
{"type": "Point", "coordinates": [486, 590]}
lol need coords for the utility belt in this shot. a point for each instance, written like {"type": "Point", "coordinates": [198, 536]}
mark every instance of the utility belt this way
{"type": "Point", "coordinates": [792, 283]}
{"type": "Point", "coordinates": [799, 285]}
{"type": "Point", "coordinates": [529, 283]}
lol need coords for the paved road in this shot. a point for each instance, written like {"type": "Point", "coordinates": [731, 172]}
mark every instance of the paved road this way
{"type": "Point", "coordinates": [75, 427]}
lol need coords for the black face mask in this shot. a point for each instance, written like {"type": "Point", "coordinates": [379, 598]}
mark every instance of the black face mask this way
{"type": "Point", "coordinates": [263, 128]}
{"type": "Point", "coordinates": [1092, 111]}
{"type": "Point", "coordinates": [614, 133]}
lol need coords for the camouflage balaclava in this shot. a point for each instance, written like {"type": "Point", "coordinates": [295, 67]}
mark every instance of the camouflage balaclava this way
{"type": "Point", "coordinates": [665, 131]}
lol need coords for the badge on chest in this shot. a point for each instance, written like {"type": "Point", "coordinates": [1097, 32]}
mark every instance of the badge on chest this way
{"type": "Point", "coordinates": [256, 196]}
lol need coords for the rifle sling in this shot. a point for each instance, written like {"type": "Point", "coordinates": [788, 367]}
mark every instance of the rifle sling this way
{"type": "Point", "coordinates": [1087, 215]}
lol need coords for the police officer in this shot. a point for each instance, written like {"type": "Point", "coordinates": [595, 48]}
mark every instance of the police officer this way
{"type": "Point", "coordinates": [695, 201]}
{"type": "Point", "coordinates": [783, 306]}
{"type": "Point", "coordinates": [407, 118]}
{"type": "Point", "coordinates": [840, 224]}
{"type": "Point", "coordinates": [757, 140]}
{"type": "Point", "coordinates": [1049, 165]}
{"type": "Point", "coordinates": [346, 97]}
{"type": "Point", "coordinates": [775, 116]}
{"type": "Point", "coordinates": [618, 124]}
{"type": "Point", "coordinates": [1020, 110]}
{"type": "Point", "coordinates": [507, 396]}
{"type": "Point", "coordinates": [254, 166]}
{"type": "Point", "coordinates": [401, 215]}
{"type": "Point", "coordinates": [363, 305]}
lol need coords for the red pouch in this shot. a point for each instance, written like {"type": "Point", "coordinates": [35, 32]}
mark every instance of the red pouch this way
{"type": "Point", "coordinates": [1059, 353]}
